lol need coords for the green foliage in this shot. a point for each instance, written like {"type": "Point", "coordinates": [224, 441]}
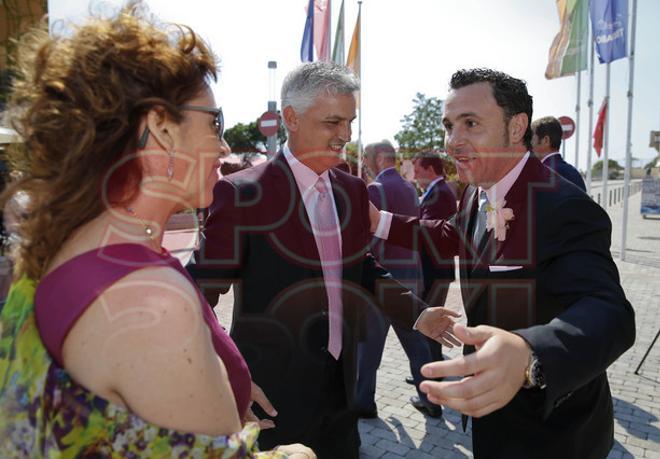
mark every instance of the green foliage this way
{"type": "Point", "coordinates": [422, 128]}
{"type": "Point", "coordinates": [246, 138]}
{"type": "Point", "coordinates": [614, 169]}
{"type": "Point", "coordinates": [653, 163]}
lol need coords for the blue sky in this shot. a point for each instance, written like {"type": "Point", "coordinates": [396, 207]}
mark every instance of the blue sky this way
{"type": "Point", "coordinates": [415, 46]}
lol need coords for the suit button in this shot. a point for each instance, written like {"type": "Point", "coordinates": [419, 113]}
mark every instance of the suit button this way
{"type": "Point", "coordinates": [324, 349]}
{"type": "Point", "coordinates": [324, 313]}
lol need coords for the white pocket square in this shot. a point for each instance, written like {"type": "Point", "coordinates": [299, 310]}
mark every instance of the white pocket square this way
{"type": "Point", "coordinates": [502, 268]}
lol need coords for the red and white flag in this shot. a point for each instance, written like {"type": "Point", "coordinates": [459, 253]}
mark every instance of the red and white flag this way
{"type": "Point", "coordinates": [600, 127]}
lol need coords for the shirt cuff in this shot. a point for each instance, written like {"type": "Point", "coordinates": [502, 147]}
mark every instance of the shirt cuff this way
{"type": "Point", "coordinates": [383, 229]}
{"type": "Point", "coordinates": [419, 318]}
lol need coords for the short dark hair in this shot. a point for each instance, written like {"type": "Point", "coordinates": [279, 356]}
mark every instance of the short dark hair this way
{"type": "Point", "coordinates": [430, 159]}
{"type": "Point", "coordinates": [550, 126]}
{"type": "Point", "coordinates": [509, 93]}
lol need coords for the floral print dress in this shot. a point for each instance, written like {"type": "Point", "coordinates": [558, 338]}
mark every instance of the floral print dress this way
{"type": "Point", "coordinates": [44, 413]}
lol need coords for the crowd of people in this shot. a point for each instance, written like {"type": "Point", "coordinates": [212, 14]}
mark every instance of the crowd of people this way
{"type": "Point", "coordinates": [110, 348]}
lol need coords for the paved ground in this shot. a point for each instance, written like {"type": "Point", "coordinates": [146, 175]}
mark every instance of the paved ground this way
{"type": "Point", "coordinates": [401, 431]}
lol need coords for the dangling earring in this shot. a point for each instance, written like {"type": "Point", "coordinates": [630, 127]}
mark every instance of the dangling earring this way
{"type": "Point", "coordinates": [170, 165]}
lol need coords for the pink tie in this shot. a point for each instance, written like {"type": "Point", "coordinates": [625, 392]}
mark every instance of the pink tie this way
{"type": "Point", "coordinates": [326, 233]}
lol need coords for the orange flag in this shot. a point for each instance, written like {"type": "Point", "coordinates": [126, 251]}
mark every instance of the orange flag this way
{"type": "Point", "coordinates": [353, 60]}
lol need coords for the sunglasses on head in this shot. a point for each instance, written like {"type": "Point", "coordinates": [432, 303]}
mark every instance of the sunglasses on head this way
{"type": "Point", "coordinates": [218, 121]}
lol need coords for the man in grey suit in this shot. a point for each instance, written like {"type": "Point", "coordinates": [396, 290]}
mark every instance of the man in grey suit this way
{"type": "Point", "coordinates": [389, 191]}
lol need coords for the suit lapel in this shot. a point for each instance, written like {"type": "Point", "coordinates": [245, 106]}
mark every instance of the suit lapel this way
{"type": "Point", "coordinates": [293, 233]}
{"type": "Point", "coordinates": [518, 247]}
{"type": "Point", "coordinates": [465, 220]}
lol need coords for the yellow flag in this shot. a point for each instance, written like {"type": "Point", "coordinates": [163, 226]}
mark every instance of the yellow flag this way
{"type": "Point", "coordinates": [353, 60]}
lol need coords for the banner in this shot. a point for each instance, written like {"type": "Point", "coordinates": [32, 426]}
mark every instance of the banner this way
{"type": "Point", "coordinates": [609, 24]}
{"type": "Point", "coordinates": [353, 60]}
{"type": "Point", "coordinates": [568, 52]}
{"type": "Point", "coordinates": [338, 50]}
{"type": "Point", "coordinates": [307, 44]}
{"type": "Point", "coordinates": [600, 128]}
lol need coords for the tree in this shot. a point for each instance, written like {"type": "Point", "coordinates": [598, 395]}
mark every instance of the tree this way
{"type": "Point", "coordinates": [613, 169]}
{"type": "Point", "coordinates": [246, 138]}
{"type": "Point", "coordinates": [422, 129]}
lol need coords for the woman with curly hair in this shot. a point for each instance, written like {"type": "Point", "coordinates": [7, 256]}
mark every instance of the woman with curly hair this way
{"type": "Point", "coordinates": [106, 347]}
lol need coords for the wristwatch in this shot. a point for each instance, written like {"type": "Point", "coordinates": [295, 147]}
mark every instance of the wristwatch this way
{"type": "Point", "coordinates": [534, 378]}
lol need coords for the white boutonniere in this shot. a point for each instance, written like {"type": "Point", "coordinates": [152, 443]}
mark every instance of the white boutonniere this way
{"type": "Point", "coordinates": [498, 218]}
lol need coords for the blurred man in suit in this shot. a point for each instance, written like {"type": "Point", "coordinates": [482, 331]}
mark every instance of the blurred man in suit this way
{"type": "Point", "coordinates": [546, 311]}
{"type": "Point", "coordinates": [546, 140]}
{"type": "Point", "coordinates": [292, 235]}
{"type": "Point", "coordinates": [389, 191]}
{"type": "Point", "coordinates": [437, 202]}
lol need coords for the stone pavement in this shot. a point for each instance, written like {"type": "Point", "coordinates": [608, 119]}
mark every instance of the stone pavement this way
{"type": "Point", "coordinates": [403, 432]}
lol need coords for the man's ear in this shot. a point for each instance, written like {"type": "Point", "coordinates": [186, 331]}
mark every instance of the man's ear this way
{"type": "Point", "coordinates": [545, 141]}
{"type": "Point", "coordinates": [161, 127]}
{"type": "Point", "coordinates": [290, 118]}
{"type": "Point", "coordinates": [517, 127]}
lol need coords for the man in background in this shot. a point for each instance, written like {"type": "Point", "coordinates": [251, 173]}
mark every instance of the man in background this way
{"type": "Point", "coordinates": [437, 203]}
{"type": "Point", "coordinates": [546, 140]}
{"type": "Point", "coordinates": [389, 191]}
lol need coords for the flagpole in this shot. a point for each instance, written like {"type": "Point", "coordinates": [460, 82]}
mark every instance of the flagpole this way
{"type": "Point", "coordinates": [626, 176]}
{"type": "Point", "coordinates": [591, 113]}
{"type": "Point", "coordinates": [606, 140]}
{"type": "Point", "coordinates": [578, 75]}
{"type": "Point", "coordinates": [360, 91]}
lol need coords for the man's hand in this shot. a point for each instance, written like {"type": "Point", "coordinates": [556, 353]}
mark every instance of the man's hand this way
{"type": "Point", "coordinates": [258, 396]}
{"type": "Point", "coordinates": [374, 217]}
{"type": "Point", "coordinates": [491, 376]}
{"type": "Point", "coordinates": [437, 324]}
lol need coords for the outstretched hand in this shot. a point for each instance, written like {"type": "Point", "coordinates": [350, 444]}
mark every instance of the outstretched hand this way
{"type": "Point", "coordinates": [437, 324]}
{"type": "Point", "coordinates": [491, 376]}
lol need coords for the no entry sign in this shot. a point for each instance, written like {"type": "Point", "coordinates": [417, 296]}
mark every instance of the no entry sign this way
{"type": "Point", "coordinates": [567, 127]}
{"type": "Point", "coordinates": [269, 123]}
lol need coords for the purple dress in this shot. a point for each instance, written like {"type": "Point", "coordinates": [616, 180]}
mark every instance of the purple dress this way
{"type": "Point", "coordinates": [64, 294]}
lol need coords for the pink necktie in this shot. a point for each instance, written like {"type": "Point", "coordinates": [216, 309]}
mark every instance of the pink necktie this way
{"type": "Point", "coordinates": [326, 232]}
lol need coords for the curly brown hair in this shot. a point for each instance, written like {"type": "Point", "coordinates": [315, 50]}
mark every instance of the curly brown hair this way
{"type": "Point", "coordinates": [77, 101]}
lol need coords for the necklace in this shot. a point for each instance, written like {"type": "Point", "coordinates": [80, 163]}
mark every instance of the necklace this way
{"type": "Point", "coordinates": [147, 229]}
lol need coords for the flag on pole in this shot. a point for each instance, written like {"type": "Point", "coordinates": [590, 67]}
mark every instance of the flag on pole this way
{"type": "Point", "coordinates": [322, 29]}
{"type": "Point", "coordinates": [600, 127]}
{"type": "Point", "coordinates": [307, 45]}
{"type": "Point", "coordinates": [338, 50]}
{"type": "Point", "coordinates": [353, 60]}
{"type": "Point", "coordinates": [568, 52]}
{"type": "Point", "coordinates": [609, 24]}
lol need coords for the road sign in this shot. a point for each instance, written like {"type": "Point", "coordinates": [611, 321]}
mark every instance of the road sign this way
{"type": "Point", "coordinates": [567, 127]}
{"type": "Point", "coordinates": [269, 123]}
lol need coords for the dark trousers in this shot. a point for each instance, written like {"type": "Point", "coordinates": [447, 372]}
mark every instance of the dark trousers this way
{"type": "Point", "coordinates": [370, 353]}
{"type": "Point", "coordinates": [333, 429]}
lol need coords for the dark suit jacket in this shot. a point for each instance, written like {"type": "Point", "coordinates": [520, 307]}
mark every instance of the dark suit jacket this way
{"type": "Point", "coordinates": [438, 203]}
{"type": "Point", "coordinates": [258, 236]}
{"type": "Point", "coordinates": [564, 299]}
{"type": "Point", "coordinates": [557, 164]}
{"type": "Point", "coordinates": [393, 193]}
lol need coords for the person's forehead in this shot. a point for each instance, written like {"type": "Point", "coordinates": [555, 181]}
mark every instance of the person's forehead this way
{"type": "Point", "coordinates": [474, 98]}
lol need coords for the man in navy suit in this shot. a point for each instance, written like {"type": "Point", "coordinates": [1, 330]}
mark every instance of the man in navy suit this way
{"type": "Point", "coordinates": [546, 140]}
{"type": "Point", "coordinates": [389, 191]}
{"type": "Point", "coordinates": [545, 308]}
